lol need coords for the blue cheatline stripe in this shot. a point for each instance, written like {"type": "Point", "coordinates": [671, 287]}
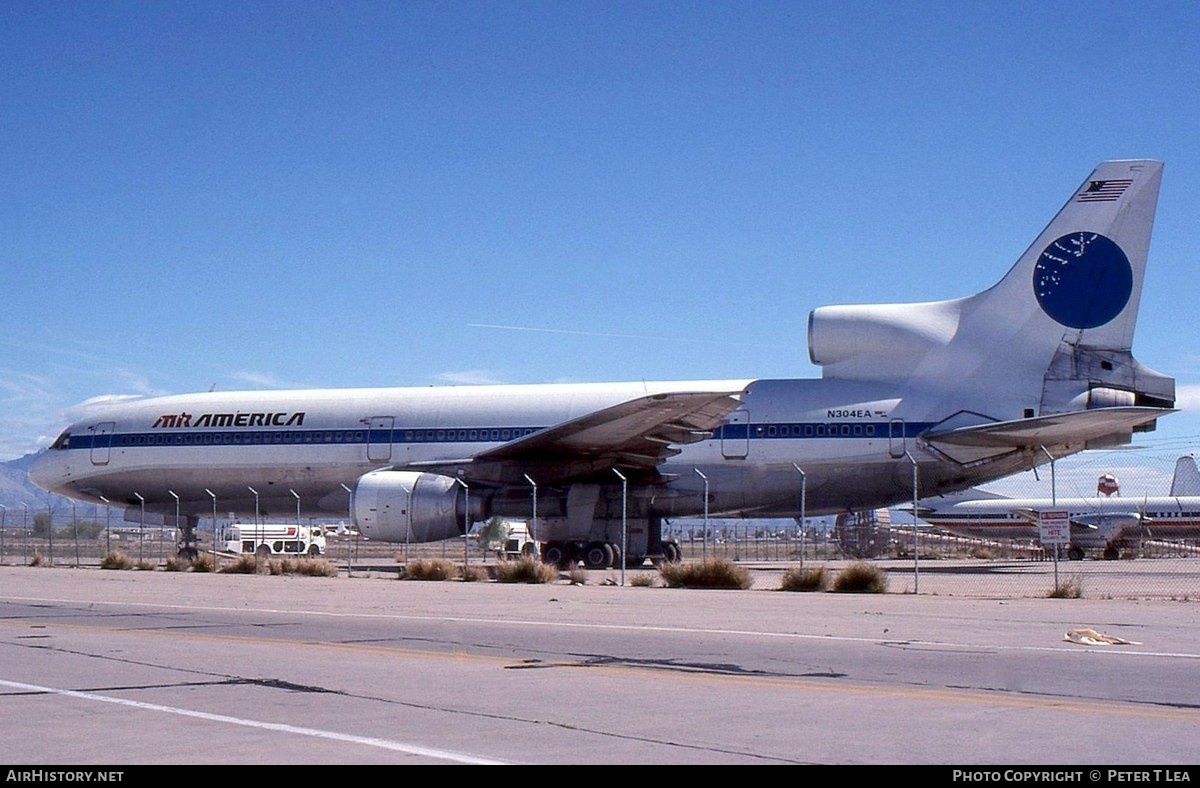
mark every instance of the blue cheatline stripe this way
{"type": "Point", "coordinates": [283, 437]}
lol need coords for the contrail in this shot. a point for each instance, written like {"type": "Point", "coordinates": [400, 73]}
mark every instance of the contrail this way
{"type": "Point", "coordinates": [620, 336]}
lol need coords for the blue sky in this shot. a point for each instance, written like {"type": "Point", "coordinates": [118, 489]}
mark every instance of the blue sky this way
{"type": "Point", "coordinates": [282, 194]}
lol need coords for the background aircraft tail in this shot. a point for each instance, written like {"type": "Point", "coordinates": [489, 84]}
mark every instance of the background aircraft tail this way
{"type": "Point", "coordinates": [1053, 336]}
{"type": "Point", "coordinates": [1187, 478]}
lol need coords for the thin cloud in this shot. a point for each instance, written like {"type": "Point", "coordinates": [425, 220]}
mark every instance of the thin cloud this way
{"type": "Point", "coordinates": [601, 334]}
{"type": "Point", "coordinates": [1187, 398]}
{"type": "Point", "coordinates": [90, 404]}
{"type": "Point", "coordinates": [469, 377]}
{"type": "Point", "coordinates": [261, 380]}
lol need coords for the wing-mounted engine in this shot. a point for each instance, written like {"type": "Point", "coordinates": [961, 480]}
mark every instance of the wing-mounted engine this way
{"type": "Point", "coordinates": [408, 506]}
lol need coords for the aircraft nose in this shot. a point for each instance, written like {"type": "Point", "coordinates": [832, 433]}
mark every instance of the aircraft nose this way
{"type": "Point", "coordinates": [46, 471]}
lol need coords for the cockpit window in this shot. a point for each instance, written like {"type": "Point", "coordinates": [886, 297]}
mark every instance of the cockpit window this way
{"type": "Point", "coordinates": [63, 442]}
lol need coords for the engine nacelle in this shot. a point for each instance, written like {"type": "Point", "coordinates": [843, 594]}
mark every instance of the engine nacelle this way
{"type": "Point", "coordinates": [407, 506]}
{"type": "Point", "coordinates": [877, 340]}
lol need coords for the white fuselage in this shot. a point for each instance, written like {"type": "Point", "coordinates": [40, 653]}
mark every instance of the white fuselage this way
{"type": "Point", "coordinates": [1096, 521]}
{"type": "Point", "coordinates": [842, 444]}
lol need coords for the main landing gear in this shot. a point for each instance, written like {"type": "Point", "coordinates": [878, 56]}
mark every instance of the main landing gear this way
{"type": "Point", "coordinates": [603, 555]}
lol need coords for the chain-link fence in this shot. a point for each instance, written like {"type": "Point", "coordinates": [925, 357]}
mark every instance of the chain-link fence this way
{"type": "Point", "coordinates": [925, 561]}
{"type": "Point", "coordinates": [1156, 553]}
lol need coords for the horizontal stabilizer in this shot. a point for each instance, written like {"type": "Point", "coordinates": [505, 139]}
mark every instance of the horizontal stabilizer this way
{"type": "Point", "coordinates": [1060, 428]}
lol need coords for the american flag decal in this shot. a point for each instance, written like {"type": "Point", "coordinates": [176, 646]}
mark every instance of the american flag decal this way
{"type": "Point", "coordinates": [1103, 191]}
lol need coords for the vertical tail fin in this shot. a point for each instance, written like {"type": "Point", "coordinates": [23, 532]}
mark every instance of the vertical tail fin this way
{"type": "Point", "coordinates": [1052, 336]}
{"type": "Point", "coordinates": [1187, 478]}
{"type": "Point", "coordinates": [1085, 270]}
{"type": "Point", "coordinates": [1059, 326]}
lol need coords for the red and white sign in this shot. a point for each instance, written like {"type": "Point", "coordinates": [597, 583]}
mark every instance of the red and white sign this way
{"type": "Point", "coordinates": [1054, 527]}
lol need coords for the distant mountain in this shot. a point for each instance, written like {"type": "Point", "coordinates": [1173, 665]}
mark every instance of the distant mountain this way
{"type": "Point", "coordinates": [16, 489]}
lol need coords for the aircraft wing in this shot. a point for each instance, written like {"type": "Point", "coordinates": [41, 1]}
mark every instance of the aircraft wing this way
{"type": "Point", "coordinates": [634, 436]}
{"type": "Point", "coordinates": [1078, 522]}
{"type": "Point", "coordinates": [1058, 429]}
{"type": "Point", "coordinates": [1111, 524]}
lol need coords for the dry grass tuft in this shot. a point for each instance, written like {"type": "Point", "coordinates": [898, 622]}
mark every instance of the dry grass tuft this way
{"type": "Point", "coordinates": [861, 578]}
{"type": "Point", "coordinates": [243, 565]}
{"type": "Point", "coordinates": [526, 570]}
{"type": "Point", "coordinates": [472, 573]}
{"type": "Point", "coordinates": [311, 567]}
{"type": "Point", "coordinates": [713, 573]}
{"type": "Point", "coordinates": [429, 569]}
{"type": "Point", "coordinates": [1071, 588]}
{"type": "Point", "coordinates": [115, 559]}
{"type": "Point", "coordinates": [813, 578]}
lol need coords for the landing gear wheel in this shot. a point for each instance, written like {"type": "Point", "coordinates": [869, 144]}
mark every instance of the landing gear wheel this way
{"type": "Point", "coordinates": [1111, 554]}
{"type": "Point", "coordinates": [672, 553]}
{"type": "Point", "coordinates": [1074, 553]}
{"type": "Point", "coordinates": [598, 555]}
{"type": "Point", "coordinates": [555, 554]}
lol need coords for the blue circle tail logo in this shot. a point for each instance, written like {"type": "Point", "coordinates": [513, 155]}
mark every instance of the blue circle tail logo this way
{"type": "Point", "coordinates": [1083, 280]}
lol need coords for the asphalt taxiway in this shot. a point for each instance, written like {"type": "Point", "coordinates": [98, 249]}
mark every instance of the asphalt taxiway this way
{"type": "Point", "coordinates": [127, 667]}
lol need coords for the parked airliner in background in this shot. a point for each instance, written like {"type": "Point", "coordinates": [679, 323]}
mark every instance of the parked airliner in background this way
{"type": "Point", "coordinates": [1106, 523]}
{"type": "Point", "coordinates": [966, 390]}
